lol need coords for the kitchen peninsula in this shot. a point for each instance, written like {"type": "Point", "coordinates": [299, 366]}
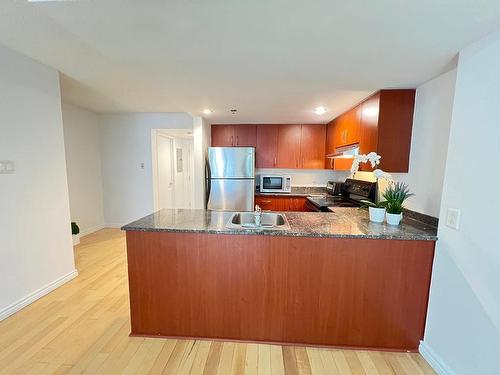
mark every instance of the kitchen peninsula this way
{"type": "Point", "coordinates": [328, 279]}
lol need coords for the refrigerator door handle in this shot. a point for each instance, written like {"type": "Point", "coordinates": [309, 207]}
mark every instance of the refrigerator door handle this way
{"type": "Point", "coordinates": [208, 183]}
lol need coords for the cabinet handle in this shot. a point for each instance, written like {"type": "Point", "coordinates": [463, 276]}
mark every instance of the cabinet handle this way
{"type": "Point", "coordinates": [266, 201]}
{"type": "Point", "coordinates": [232, 141]}
{"type": "Point", "coordinates": [275, 161]}
{"type": "Point", "coordinates": [237, 141]}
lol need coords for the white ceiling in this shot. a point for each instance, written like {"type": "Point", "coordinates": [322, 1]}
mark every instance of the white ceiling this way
{"type": "Point", "coordinates": [272, 60]}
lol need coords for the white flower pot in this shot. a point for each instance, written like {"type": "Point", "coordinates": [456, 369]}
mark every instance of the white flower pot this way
{"type": "Point", "coordinates": [76, 239]}
{"type": "Point", "coordinates": [394, 219]}
{"type": "Point", "coordinates": [376, 214]}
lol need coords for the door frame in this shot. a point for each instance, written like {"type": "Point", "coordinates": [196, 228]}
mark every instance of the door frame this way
{"type": "Point", "coordinates": [155, 134]}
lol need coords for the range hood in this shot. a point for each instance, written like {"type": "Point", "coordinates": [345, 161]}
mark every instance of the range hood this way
{"type": "Point", "coordinates": [349, 151]}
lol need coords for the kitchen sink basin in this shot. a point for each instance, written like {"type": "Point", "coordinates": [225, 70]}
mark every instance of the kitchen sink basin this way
{"type": "Point", "coordinates": [269, 221]}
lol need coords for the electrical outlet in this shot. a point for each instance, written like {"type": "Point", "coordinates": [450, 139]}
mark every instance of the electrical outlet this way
{"type": "Point", "coordinates": [453, 218]}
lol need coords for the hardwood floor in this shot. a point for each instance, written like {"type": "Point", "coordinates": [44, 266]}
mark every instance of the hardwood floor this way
{"type": "Point", "coordinates": [83, 327]}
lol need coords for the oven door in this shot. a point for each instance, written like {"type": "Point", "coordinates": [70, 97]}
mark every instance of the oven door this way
{"type": "Point", "coordinates": [271, 184]}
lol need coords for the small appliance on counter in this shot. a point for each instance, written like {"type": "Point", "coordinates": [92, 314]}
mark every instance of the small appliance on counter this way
{"type": "Point", "coordinates": [275, 183]}
{"type": "Point", "coordinates": [346, 194]}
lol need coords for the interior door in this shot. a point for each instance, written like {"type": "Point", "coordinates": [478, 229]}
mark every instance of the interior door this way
{"type": "Point", "coordinates": [165, 172]}
{"type": "Point", "coordinates": [289, 146]}
{"type": "Point", "coordinates": [266, 151]}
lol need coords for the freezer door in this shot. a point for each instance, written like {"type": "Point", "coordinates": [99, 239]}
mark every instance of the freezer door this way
{"type": "Point", "coordinates": [231, 195]}
{"type": "Point", "coordinates": [231, 162]}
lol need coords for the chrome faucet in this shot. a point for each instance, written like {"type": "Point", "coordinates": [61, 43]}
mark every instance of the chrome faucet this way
{"type": "Point", "coordinates": [257, 215]}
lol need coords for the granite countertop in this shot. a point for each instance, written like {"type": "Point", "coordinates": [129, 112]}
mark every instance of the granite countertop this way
{"type": "Point", "coordinates": [343, 223]}
{"type": "Point", "coordinates": [298, 191]}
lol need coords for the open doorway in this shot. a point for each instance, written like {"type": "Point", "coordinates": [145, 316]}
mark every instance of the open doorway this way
{"type": "Point", "coordinates": [173, 168]}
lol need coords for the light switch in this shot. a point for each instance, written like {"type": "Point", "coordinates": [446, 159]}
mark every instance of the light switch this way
{"type": "Point", "coordinates": [453, 218]}
{"type": "Point", "coordinates": [6, 166]}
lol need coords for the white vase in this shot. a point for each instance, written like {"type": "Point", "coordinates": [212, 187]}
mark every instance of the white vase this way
{"type": "Point", "coordinates": [394, 219]}
{"type": "Point", "coordinates": [376, 214]}
{"type": "Point", "coordinates": [76, 239]}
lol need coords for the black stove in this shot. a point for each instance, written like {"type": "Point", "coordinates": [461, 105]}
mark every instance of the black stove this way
{"type": "Point", "coordinates": [347, 194]}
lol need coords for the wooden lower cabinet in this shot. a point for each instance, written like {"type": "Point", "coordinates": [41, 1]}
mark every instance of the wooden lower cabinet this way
{"type": "Point", "coordinates": [352, 292]}
{"type": "Point", "coordinates": [280, 203]}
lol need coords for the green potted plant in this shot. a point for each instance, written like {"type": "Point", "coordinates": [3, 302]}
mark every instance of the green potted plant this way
{"type": "Point", "coordinates": [75, 231]}
{"type": "Point", "coordinates": [394, 196]}
{"type": "Point", "coordinates": [376, 211]}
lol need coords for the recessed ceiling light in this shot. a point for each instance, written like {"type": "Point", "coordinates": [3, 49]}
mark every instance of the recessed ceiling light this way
{"type": "Point", "coordinates": [320, 110]}
{"type": "Point", "coordinates": [207, 111]}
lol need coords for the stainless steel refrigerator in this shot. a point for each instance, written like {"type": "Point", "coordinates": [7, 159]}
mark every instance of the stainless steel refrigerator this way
{"type": "Point", "coordinates": [230, 178]}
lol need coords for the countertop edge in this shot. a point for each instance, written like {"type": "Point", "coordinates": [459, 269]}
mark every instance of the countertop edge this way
{"type": "Point", "coordinates": [278, 233]}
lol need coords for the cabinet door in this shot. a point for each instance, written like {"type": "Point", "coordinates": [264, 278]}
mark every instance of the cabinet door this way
{"type": "Point", "coordinates": [339, 131]}
{"type": "Point", "coordinates": [352, 126]}
{"type": "Point", "coordinates": [266, 150]}
{"type": "Point", "coordinates": [368, 141]}
{"type": "Point", "coordinates": [245, 135]}
{"type": "Point", "coordinates": [312, 146]}
{"type": "Point", "coordinates": [289, 146]}
{"type": "Point", "coordinates": [222, 135]}
{"type": "Point", "coordinates": [330, 143]}
{"type": "Point", "coordinates": [298, 204]}
{"type": "Point", "coordinates": [265, 202]}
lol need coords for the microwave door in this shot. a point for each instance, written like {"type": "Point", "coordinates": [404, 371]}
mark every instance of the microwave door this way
{"type": "Point", "coordinates": [272, 183]}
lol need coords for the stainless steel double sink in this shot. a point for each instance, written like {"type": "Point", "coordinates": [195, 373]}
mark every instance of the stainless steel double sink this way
{"type": "Point", "coordinates": [268, 221]}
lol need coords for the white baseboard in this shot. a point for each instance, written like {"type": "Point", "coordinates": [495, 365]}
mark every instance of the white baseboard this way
{"type": "Point", "coordinates": [434, 360]}
{"type": "Point", "coordinates": [114, 225]}
{"type": "Point", "coordinates": [90, 230]}
{"type": "Point", "coordinates": [32, 297]}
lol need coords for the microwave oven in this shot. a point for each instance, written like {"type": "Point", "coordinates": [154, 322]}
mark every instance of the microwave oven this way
{"type": "Point", "coordinates": [275, 184]}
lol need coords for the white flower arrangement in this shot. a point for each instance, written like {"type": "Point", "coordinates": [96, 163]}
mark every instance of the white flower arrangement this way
{"type": "Point", "coordinates": [374, 159]}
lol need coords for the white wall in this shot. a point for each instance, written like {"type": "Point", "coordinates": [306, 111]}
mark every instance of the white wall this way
{"type": "Point", "coordinates": [83, 162]}
{"type": "Point", "coordinates": [463, 322]}
{"type": "Point", "coordinates": [202, 140]}
{"type": "Point", "coordinates": [125, 145]}
{"type": "Point", "coordinates": [429, 144]}
{"type": "Point", "coordinates": [35, 237]}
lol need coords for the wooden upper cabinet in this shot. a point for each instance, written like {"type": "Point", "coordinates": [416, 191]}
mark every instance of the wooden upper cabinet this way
{"type": "Point", "coordinates": [289, 137]}
{"type": "Point", "coordinates": [381, 123]}
{"type": "Point", "coordinates": [386, 126]}
{"type": "Point", "coordinates": [245, 135]}
{"type": "Point", "coordinates": [222, 135]}
{"type": "Point", "coordinates": [266, 150]}
{"type": "Point", "coordinates": [330, 143]}
{"type": "Point", "coordinates": [395, 123]}
{"type": "Point", "coordinates": [347, 128]}
{"type": "Point", "coordinates": [234, 135]}
{"type": "Point", "coordinates": [369, 128]}
{"type": "Point", "coordinates": [277, 146]}
{"type": "Point", "coordinates": [312, 146]}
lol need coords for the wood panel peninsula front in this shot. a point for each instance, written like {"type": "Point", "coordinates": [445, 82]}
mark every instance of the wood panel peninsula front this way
{"type": "Point", "coordinates": [331, 279]}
